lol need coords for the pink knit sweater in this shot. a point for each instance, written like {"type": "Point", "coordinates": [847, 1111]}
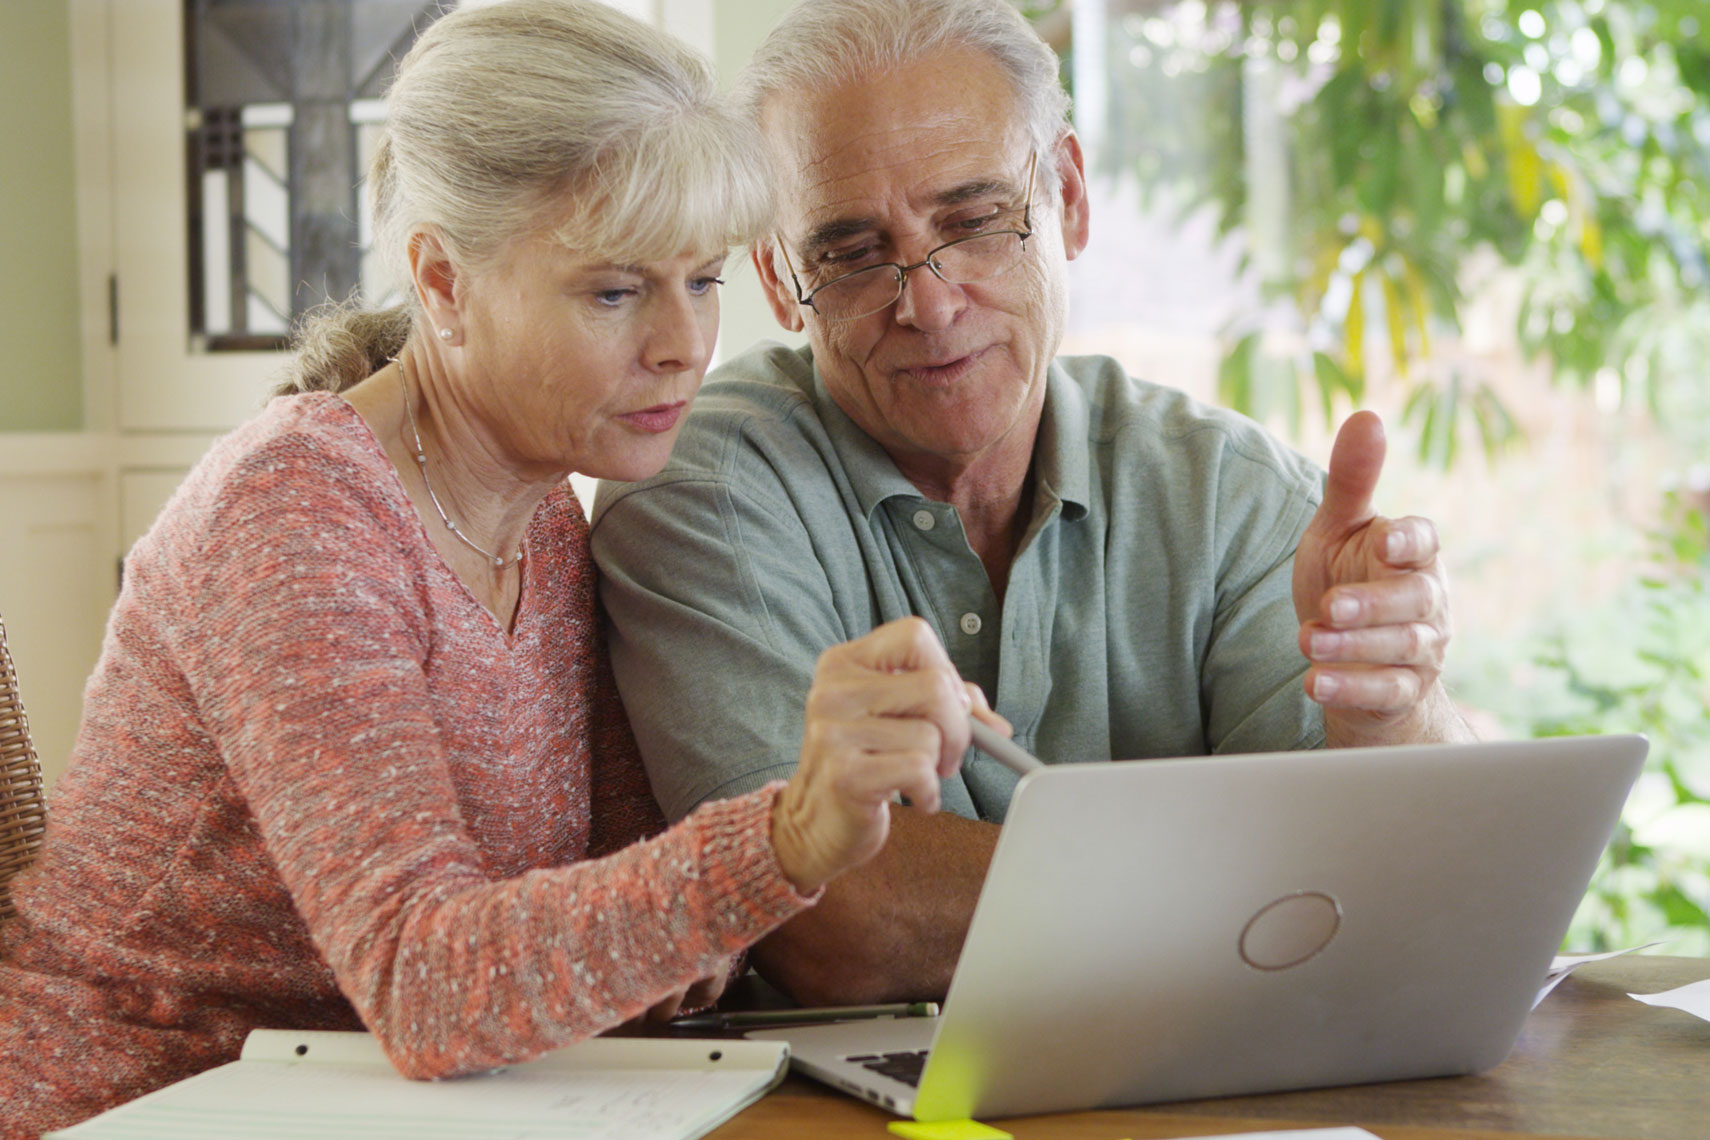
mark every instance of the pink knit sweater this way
{"type": "Point", "coordinates": [317, 785]}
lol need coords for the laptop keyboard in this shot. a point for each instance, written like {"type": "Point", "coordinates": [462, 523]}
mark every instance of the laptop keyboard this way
{"type": "Point", "coordinates": [905, 1067]}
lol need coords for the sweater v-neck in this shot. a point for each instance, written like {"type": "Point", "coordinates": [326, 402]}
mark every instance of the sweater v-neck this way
{"type": "Point", "coordinates": [522, 624]}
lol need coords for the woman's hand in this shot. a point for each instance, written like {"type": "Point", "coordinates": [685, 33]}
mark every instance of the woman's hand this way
{"type": "Point", "coordinates": [687, 999]}
{"type": "Point", "coordinates": [887, 715]}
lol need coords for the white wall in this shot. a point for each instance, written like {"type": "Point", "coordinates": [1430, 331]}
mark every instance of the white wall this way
{"type": "Point", "coordinates": [40, 388]}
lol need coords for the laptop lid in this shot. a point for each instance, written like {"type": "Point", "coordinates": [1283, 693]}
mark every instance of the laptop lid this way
{"type": "Point", "coordinates": [1171, 929]}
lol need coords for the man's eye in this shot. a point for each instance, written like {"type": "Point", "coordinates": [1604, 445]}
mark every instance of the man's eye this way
{"type": "Point", "coordinates": [962, 227]}
{"type": "Point", "coordinates": [612, 298]}
{"type": "Point", "coordinates": [844, 258]}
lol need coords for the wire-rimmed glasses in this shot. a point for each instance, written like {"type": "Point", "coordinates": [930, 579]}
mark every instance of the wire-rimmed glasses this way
{"type": "Point", "coordinates": [964, 261]}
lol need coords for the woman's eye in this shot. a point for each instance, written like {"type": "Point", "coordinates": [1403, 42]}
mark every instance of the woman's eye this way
{"type": "Point", "coordinates": [701, 286]}
{"type": "Point", "coordinates": [612, 298]}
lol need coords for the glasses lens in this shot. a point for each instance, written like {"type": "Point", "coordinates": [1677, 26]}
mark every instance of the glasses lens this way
{"type": "Point", "coordinates": [858, 294]}
{"type": "Point", "coordinates": [977, 258]}
{"type": "Point", "coordinates": [960, 262]}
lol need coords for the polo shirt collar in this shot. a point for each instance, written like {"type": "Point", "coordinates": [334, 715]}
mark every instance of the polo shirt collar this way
{"type": "Point", "coordinates": [1062, 455]}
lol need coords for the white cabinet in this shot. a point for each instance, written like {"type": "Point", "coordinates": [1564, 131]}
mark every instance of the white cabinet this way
{"type": "Point", "coordinates": [161, 384]}
{"type": "Point", "coordinates": [56, 577]}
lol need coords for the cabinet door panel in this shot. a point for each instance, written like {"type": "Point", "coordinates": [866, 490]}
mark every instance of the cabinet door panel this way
{"type": "Point", "coordinates": [163, 384]}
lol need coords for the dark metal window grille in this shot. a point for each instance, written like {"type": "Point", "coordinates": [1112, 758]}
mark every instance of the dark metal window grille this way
{"type": "Point", "coordinates": [282, 111]}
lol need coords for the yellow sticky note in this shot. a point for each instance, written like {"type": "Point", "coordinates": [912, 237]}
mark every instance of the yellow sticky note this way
{"type": "Point", "coordinates": [947, 1130]}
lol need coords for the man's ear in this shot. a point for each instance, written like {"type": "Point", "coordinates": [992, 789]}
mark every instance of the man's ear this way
{"type": "Point", "coordinates": [780, 292]}
{"type": "Point", "coordinates": [434, 277]}
{"type": "Point", "coordinates": [1072, 193]}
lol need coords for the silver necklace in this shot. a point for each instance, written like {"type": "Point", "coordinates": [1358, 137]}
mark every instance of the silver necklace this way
{"type": "Point", "coordinates": [498, 562]}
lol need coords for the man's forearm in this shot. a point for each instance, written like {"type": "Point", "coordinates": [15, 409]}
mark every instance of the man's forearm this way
{"type": "Point", "coordinates": [892, 929]}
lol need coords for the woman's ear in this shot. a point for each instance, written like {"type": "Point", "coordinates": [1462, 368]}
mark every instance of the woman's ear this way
{"type": "Point", "coordinates": [780, 294]}
{"type": "Point", "coordinates": [434, 277]}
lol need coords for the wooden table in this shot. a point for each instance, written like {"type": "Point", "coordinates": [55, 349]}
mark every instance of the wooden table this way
{"type": "Point", "coordinates": [1590, 1063]}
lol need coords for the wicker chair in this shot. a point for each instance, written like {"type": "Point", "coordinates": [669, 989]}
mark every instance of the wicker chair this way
{"type": "Point", "coordinates": [23, 810]}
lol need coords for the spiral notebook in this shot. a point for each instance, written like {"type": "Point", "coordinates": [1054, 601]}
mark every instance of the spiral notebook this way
{"type": "Point", "coordinates": [300, 1085]}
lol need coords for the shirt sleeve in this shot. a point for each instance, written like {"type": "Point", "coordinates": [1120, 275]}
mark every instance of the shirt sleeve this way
{"type": "Point", "coordinates": [717, 608]}
{"type": "Point", "coordinates": [312, 631]}
{"type": "Point", "coordinates": [1252, 672]}
{"type": "Point", "coordinates": [1253, 676]}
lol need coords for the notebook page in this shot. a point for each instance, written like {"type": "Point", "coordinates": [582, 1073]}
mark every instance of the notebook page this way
{"type": "Point", "coordinates": [280, 1101]}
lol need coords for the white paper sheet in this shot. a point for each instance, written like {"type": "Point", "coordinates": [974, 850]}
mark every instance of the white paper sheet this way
{"type": "Point", "coordinates": [1565, 964]}
{"type": "Point", "coordinates": [1693, 998]}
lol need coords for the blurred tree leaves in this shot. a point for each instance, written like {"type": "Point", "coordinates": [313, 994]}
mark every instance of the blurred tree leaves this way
{"type": "Point", "coordinates": [1636, 662]}
{"type": "Point", "coordinates": [1571, 138]}
{"type": "Point", "coordinates": [1376, 157]}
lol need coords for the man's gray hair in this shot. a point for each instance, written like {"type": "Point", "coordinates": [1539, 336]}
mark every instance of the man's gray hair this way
{"type": "Point", "coordinates": [821, 44]}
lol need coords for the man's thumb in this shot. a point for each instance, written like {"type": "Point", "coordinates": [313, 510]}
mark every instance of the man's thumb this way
{"type": "Point", "coordinates": [1356, 461]}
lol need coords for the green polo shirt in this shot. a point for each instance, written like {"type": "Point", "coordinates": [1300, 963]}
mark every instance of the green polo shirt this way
{"type": "Point", "coordinates": [1148, 612]}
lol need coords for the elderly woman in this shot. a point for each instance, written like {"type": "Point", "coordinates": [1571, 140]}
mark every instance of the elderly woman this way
{"type": "Point", "coordinates": [351, 757]}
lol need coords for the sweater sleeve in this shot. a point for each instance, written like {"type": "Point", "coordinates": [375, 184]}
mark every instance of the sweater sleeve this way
{"type": "Point", "coordinates": [309, 633]}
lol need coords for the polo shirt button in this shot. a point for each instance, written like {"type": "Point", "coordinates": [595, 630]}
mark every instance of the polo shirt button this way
{"type": "Point", "coordinates": [924, 519]}
{"type": "Point", "coordinates": [971, 624]}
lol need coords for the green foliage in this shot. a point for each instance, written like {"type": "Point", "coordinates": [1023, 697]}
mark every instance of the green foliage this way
{"type": "Point", "coordinates": [1571, 138]}
{"type": "Point", "coordinates": [1640, 663]}
{"type": "Point", "coordinates": [1372, 153]}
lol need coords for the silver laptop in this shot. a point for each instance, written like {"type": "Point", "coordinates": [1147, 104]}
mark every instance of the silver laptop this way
{"type": "Point", "coordinates": [1170, 929]}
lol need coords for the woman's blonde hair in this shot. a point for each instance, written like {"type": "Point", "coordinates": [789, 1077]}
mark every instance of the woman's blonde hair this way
{"type": "Point", "coordinates": [513, 116]}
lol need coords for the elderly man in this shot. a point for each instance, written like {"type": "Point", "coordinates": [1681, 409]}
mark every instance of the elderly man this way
{"type": "Point", "coordinates": [1124, 572]}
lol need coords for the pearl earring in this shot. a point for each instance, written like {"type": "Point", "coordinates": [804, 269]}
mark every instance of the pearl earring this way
{"type": "Point", "coordinates": [445, 335]}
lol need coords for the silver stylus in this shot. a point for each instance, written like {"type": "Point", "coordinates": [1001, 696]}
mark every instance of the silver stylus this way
{"type": "Point", "coordinates": [1000, 748]}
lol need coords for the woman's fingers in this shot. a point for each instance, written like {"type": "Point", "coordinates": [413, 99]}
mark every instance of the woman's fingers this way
{"type": "Point", "coordinates": [901, 671]}
{"type": "Point", "coordinates": [662, 1010]}
{"type": "Point", "coordinates": [706, 991]}
{"type": "Point", "coordinates": [684, 999]}
{"type": "Point", "coordinates": [887, 717]}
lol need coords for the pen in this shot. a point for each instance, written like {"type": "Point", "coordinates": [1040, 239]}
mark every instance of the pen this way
{"type": "Point", "coordinates": [749, 1018]}
{"type": "Point", "coordinates": [1000, 748]}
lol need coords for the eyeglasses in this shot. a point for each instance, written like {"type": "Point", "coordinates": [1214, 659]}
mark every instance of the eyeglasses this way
{"type": "Point", "coordinates": [964, 261]}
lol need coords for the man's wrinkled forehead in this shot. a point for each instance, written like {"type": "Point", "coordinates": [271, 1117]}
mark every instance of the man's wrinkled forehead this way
{"type": "Point", "coordinates": [846, 155]}
{"type": "Point", "coordinates": [843, 226]}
